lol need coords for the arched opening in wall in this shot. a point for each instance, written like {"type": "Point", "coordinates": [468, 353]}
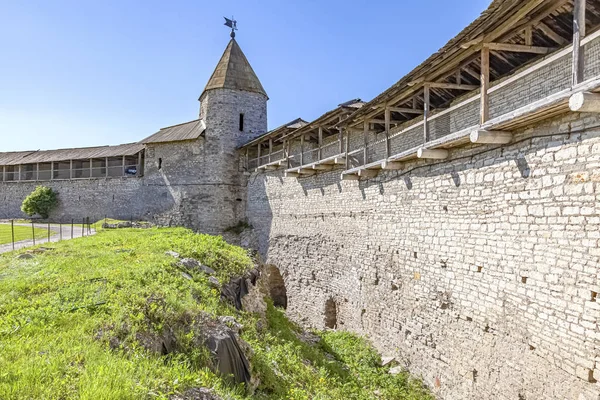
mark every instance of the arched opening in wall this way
{"type": "Point", "coordinates": [276, 286]}
{"type": "Point", "coordinates": [330, 314]}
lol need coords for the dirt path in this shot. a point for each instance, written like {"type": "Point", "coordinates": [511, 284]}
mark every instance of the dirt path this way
{"type": "Point", "coordinates": [61, 233]}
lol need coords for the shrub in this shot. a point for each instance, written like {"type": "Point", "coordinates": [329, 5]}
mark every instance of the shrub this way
{"type": "Point", "coordinates": [41, 201]}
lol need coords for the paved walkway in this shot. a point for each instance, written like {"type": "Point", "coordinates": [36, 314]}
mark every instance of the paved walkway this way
{"type": "Point", "coordinates": [61, 233]}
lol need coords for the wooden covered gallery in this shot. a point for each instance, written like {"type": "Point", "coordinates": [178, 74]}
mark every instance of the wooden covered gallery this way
{"type": "Point", "coordinates": [124, 160]}
{"type": "Point", "coordinates": [519, 63]}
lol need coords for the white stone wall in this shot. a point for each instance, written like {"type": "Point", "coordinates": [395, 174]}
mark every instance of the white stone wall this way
{"type": "Point", "coordinates": [480, 272]}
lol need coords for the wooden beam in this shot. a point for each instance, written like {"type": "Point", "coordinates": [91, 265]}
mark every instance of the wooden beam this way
{"type": "Point", "coordinates": [578, 34]}
{"type": "Point", "coordinates": [484, 109]}
{"type": "Point", "coordinates": [306, 171]}
{"type": "Point", "coordinates": [288, 145]}
{"type": "Point", "coordinates": [585, 102]}
{"type": "Point", "coordinates": [365, 150]}
{"type": "Point", "coordinates": [70, 169]}
{"type": "Point", "coordinates": [391, 165]}
{"type": "Point", "coordinates": [551, 34]}
{"type": "Point", "coordinates": [528, 36]}
{"type": "Point", "coordinates": [340, 140]}
{"type": "Point", "coordinates": [425, 113]}
{"type": "Point", "coordinates": [442, 85]}
{"type": "Point", "coordinates": [387, 131]}
{"type": "Point", "coordinates": [258, 157]}
{"type": "Point", "coordinates": [434, 154]}
{"type": "Point", "coordinates": [350, 177]}
{"type": "Point", "coordinates": [347, 149]}
{"type": "Point", "coordinates": [291, 174]}
{"type": "Point", "coordinates": [270, 148]}
{"type": "Point", "coordinates": [368, 173]}
{"type": "Point", "coordinates": [320, 142]}
{"type": "Point", "coordinates": [302, 150]}
{"type": "Point", "coordinates": [322, 167]}
{"type": "Point", "coordinates": [405, 110]}
{"type": "Point", "coordinates": [519, 48]}
{"type": "Point", "coordinates": [490, 137]}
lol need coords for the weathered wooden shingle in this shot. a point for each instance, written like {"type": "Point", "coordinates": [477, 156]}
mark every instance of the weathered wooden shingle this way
{"type": "Point", "coordinates": [186, 131]}
{"type": "Point", "coordinates": [234, 72]}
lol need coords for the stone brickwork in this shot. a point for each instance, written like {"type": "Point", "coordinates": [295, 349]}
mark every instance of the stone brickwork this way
{"type": "Point", "coordinates": [480, 273]}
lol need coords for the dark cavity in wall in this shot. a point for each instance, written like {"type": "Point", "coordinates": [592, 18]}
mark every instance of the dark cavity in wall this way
{"type": "Point", "coordinates": [276, 287]}
{"type": "Point", "coordinates": [330, 314]}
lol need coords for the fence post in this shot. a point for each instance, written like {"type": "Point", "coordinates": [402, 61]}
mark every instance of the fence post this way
{"type": "Point", "coordinates": [33, 232]}
{"type": "Point", "coordinates": [12, 230]}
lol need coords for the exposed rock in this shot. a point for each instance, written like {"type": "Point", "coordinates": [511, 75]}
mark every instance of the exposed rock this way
{"type": "Point", "coordinates": [193, 264]}
{"type": "Point", "coordinates": [214, 282]}
{"type": "Point", "coordinates": [237, 288]}
{"type": "Point", "coordinates": [172, 253]}
{"type": "Point", "coordinates": [396, 370]}
{"type": "Point", "coordinates": [25, 256]}
{"type": "Point", "coordinates": [196, 394]}
{"type": "Point", "coordinates": [157, 343]}
{"type": "Point", "coordinates": [387, 360]}
{"type": "Point", "coordinates": [309, 337]}
{"type": "Point", "coordinates": [186, 275]}
{"type": "Point", "coordinates": [232, 323]}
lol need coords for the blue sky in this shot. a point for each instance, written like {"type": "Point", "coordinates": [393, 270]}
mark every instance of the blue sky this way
{"type": "Point", "coordinates": [84, 73]}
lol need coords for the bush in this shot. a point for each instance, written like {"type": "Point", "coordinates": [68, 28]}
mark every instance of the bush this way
{"type": "Point", "coordinates": [41, 201]}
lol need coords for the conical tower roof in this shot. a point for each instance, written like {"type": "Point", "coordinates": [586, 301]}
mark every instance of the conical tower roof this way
{"type": "Point", "coordinates": [234, 72]}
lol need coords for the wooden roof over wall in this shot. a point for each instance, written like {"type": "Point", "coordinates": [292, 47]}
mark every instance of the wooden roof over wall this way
{"type": "Point", "coordinates": [549, 22]}
{"type": "Point", "coordinates": [186, 131]}
{"type": "Point", "coordinates": [278, 132]}
{"type": "Point", "coordinates": [41, 156]}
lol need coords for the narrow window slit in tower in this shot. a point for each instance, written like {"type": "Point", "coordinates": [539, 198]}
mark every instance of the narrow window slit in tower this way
{"type": "Point", "coordinates": [241, 122]}
{"type": "Point", "coordinates": [594, 296]}
{"type": "Point", "coordinates": [159, 163]}
{"type": "Point", "coordinates": [523, 279]}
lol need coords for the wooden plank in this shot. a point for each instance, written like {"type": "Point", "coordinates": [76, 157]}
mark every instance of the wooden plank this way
{"type": "Point", "coordinates": [578, 34]}
{"type": "Point", "coordinates": [585, 102]}
{"type": "Point", "coordinates": [519, 48]}
{"type": "Point", "coordinates": [485, 85]}
{"type": "Point", "coordinates": [320, 142]}
{"type": "Point", "coordinates": [387, 132]}
{"type": "Point", "coordinates": [406, 110]}
{"type": "Point", "coordinates": [443, 85]}
{"type": "Point", "coordinates": [365, 130]}
{"type": "Point", "coordinates": [490, 137]}
{"type": "Point", "coordinates": [434, 154]}
{"type": "Point", "coordinates": [551, 34]}
{"type": "Point", "coordinates": [347, 159]}
{"type": "Point", "coordinates": [270, 148]}
{"type": "Point", "coordinates": [391, 165]}
{"type": "Point", "coordinates": [425, 113]}
{"type": "Point", "coordinates": [528, 36]}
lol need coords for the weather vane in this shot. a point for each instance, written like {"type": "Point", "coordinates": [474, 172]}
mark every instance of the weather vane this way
{"type": "Point", "coordinates": [232, 23]}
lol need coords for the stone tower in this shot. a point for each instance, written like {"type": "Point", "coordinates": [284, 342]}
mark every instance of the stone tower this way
{"type": "Point", "coordinates": [233, 107]}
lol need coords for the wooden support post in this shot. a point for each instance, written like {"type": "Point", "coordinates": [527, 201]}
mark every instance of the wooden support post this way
{"type": "Point", "coordinates": [37, 171]}
{"type": "Point", "coordinates": [20, 168]}
{"type": "Point", "coordinates": [585, 102]}
{"type": "Point", "coordinates": [578, 34]}
{"type": "Point", "coordinates": [4, 173]}
{"type": "Point", "coordinates": [387, 132]}
{"type": "Point", "coordinates": [340, 140]}
{"type": "Point", "coordinates": [319, 154]}
{"type": "Point", "coordinates": [138, 169]}
{"type": "Point", "coordinates": [51, 170]}
{"type": "Point", "coordinates": [434, 154]}
{"type": "Point", "coordinates": [490, 137]}
{"type": "Point", "coordinates": [92, 167]}
{"type": "Point", "coordinates": [70, 169]}
{"type": "Point", "coordinates": [288, 143]}
{"type": "Point", "coordinates": [347, 149]}
{"type": "Point", "coordinates": [365, 150]}
{"type": "Point", "coordinates": [258, 157]}
{"type": "Point", "coordinates": [528, 36]}
{"type": "Point", "coordinates": [123, 166]}
{"type": "Point", "coordinates": [485, 84]}
{"type": "Point", "coordinates": [302, 149]}
{"type": "Point", "coordinates": [425, 113]}
{"type": "Point", "coordinates": [270, 148]}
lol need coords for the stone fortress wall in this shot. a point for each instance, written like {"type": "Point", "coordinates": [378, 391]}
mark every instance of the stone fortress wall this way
{"type": "Point", "coordinates": [480, 273]}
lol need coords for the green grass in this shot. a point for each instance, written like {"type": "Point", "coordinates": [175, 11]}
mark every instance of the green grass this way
{"type": "Point", "coordinates": [21, 233]}
{"type": "Point", "coordinates": [70, 319]}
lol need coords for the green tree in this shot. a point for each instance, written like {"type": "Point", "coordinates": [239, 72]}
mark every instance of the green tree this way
{"type": "Point", "coordinates": [41, 201]}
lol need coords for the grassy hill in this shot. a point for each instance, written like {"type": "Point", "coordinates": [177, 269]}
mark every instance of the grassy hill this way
{"type": "Point", "coordinates": [76, 322]}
